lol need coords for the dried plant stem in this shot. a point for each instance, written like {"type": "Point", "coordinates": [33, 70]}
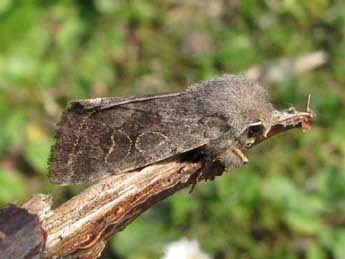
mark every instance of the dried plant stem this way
{"type": "Point", "coordinates": [80, 226]}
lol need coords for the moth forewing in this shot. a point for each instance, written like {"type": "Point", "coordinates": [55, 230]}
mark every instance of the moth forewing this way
{"type": "Point", "coordinates": [98, 137]}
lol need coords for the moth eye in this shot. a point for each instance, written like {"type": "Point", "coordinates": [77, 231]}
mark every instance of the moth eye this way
{"type": "Point", "coordinates": [255, 130]}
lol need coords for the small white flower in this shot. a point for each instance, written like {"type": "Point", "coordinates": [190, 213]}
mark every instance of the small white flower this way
{"type": "Point", "coordinates": [184, 249]}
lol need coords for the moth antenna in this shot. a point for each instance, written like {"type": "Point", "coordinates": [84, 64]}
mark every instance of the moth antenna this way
{"type": "Point", "coordinates": [307, 106]}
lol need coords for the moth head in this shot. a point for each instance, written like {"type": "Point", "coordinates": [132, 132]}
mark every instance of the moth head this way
{"type": "Point", "coordinates": [253, 134]}
{"type": "Point", "coordinates": [279, 121]}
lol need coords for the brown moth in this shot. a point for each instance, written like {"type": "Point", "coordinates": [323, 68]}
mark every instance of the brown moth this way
{"type": "Point", "coordinates": [218, 119]}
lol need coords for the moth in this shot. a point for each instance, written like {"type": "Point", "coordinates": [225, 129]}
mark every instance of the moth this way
{"type": "Point", "coordinates": [218, 119]}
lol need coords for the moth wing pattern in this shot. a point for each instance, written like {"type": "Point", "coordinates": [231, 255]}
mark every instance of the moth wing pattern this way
{"type": "Point", "coordinates": [103, 136]}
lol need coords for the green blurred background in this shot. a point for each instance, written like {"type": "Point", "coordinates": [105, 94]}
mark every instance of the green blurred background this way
{"type": "Point", "coordinates": [289, 202]}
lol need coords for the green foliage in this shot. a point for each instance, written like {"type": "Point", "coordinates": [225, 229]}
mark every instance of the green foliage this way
{"type": "Point", "coordinates": [287, 203]}
{"type": "Point", "coordinates": [37, 153]}
{"type": "Point", "coordinates": [12, 187]}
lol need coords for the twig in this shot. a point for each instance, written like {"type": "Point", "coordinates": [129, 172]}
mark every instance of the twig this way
{"type": "Point", "coordinates": [81, 226]}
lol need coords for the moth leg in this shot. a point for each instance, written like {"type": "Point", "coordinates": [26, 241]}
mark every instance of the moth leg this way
{"type": "Point", "coordinates": [232, 157]}
{"type": "Point", "coordinates": [208, 172]}
{"type": "Point", "coordinates": [240, 155]}
{"type": "Point", "coordinates": [217, 157]}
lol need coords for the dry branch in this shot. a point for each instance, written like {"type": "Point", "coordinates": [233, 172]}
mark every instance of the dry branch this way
{"type": "Point", "coordinates": [81, 226]}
